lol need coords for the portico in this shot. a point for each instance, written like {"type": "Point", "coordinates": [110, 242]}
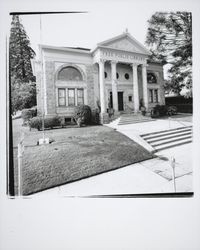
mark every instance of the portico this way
{"type": "Point", "coordinates": [133, 55]}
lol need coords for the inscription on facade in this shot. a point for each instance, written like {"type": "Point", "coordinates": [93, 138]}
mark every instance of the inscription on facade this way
{"type": "Point", "coordinates": [121, 56]}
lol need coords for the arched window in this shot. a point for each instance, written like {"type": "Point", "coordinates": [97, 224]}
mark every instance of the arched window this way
{"type": "Point", "coordinates": [151, 78]}
{"type": "Point", "coordinates": [70, 74]}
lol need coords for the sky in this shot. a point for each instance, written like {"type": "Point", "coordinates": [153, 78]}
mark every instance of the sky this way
{"type": "Point", "coordinates": [104, 20]}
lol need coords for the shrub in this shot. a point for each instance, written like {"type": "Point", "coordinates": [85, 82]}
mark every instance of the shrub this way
{"type": "Point", "coordinates": [162, 110]}
{"type": "Point", "coordinates": [82, 114]}
{"type": "Point", "coordinates": [36, 122]}
{"type": "Point", "coordinates": [171, 110]}
{"type": "Point", "coordinates": [27, 114]}
{"type": "Point", "coordinates": [95, 119]}
{"type": "Point", "coordinates": [159, 110]}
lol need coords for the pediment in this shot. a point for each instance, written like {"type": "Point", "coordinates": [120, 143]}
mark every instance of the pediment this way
{"type": "Point", "coordinates": [125, 42]}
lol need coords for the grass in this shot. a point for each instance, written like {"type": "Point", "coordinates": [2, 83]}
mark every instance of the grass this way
{"type": "Point", "coordinates": [75, 153]}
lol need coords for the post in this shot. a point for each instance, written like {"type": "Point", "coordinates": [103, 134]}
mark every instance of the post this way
{"type": "Point", "coordinates": [10, 170]}
{"type": "Point", "coordinates": [19, 156]}
{"type": "Point", "coordinates": [43, 140]}
{"type": "Point", "coordinates": [173, 163]}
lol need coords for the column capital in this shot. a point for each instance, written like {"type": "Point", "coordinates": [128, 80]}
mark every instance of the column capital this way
{"type": "Point", "coordinates": [113, 61]}
{"type": "Point", "coordinates": [144, 65]}
{"type": "Point", "coordinates": [133, 65]}
{"type": "Point", "coordinates": [101, 60]}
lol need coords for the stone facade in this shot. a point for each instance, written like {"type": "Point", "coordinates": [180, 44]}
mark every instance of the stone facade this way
{"type": "Point", "coordinates": [113, 75]}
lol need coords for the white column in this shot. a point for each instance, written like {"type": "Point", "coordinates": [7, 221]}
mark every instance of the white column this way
{"type": "Point", "coordinates": [102, 86]}
{"type": "Point", "coordinates": [114, 86]}
{"type": "Point", "coordinates": [135, 88]}
{"type": "Point", "coordinates": [145, 88]}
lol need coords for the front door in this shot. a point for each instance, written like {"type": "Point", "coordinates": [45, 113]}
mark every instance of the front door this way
{"type": "Point", "coordinates": [120, 101]}
{"type": "Point", "coordinates": [110, 105]}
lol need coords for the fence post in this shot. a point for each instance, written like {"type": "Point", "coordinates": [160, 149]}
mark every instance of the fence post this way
{"type": "Point", "coordinates": [19, 156]}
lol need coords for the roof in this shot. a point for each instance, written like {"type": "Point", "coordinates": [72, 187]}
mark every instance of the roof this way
{"type": "Point", "coordinates": [141, 49]}
{"type": "Point", "coordinates": [79, 48]}
{"type": "Point", "coordinates": [119, 42]}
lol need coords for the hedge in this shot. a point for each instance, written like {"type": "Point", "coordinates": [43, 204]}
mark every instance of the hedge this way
{"type": "Point", "coordinates": [27, 114]}
{"type": "Point", "coordinates": [36, 122]}
{"type": "Point", "coordinates": [163, 110]}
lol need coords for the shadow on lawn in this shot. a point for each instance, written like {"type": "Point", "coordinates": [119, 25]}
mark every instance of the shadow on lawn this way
{"type": "Point", "coordinates": [75, 154]}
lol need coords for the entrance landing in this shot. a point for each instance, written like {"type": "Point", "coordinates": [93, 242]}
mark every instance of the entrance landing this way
{"type": "Point", "coordinates": [126, 119]}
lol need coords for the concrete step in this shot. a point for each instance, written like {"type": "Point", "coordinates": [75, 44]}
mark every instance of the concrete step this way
{"type": "Point", "coordinates": [173, 144]}
{"type": "Point", "coordinates": [168, 138]}
{"type": "Point", "coordinates": [132, 122]}
{"type": "Point", "coordinates": [167, 133]}
{"type": "Point", "coordinates": [131, 119]}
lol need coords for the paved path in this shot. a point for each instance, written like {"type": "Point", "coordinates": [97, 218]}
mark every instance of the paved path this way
{"type": "Point", "coordinates": [151, 176]}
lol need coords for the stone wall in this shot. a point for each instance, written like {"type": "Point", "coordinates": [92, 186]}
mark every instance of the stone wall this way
{"type": "Point", "coordinates": [50, 98]}
{"type": "Point", "coordinates": [90, 86]}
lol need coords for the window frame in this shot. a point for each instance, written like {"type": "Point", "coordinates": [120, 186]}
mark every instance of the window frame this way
{"type": "Point", "coordinates": [151, 99]}
{"type": "Point", "coordinates": [74, 97]}
{"type": "Point", "coordinates": [156, 95]}
{"type": "Point", "coordinates": [154, 75]}
{"type": "Point", "coordinates": [153, 96]}
{"type": "Point", "coordinates": [64, 89]}
{"type": "Point", "coordinates": [61, 77]}
{"type": "Point", "coordinates": [80, 89]}
{"type": "Point", "coordinates": [130, 97]}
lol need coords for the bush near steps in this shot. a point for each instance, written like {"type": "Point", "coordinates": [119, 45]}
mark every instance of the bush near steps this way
{"type": "Point", "coordinates": [36, 122]}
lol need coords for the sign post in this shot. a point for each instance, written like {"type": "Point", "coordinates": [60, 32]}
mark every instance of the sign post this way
{"type": "Point", "coordinates": [173, 163]}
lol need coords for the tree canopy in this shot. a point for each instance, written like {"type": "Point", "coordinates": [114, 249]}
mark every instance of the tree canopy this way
{"type": "Point", "coordinates": [169, 38]}
{"type": "Point", "coordinates": [20, 70]}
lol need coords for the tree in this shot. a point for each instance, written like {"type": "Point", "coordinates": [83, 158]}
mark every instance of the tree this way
{"type": "Point", "coordinates": [169, 38]}
{"type": "Point", "coordinates": [23, 95]}
{"type": "Point", "coordinates": [20, 70]}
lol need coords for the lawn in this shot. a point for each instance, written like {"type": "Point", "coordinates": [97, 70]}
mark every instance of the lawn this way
{"type": "Point", "coordinates": [75, 153]}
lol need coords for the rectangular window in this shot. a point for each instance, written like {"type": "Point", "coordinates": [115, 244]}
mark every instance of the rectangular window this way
{"type": "Point", "coordinates": [61, 97]}
{"type": "Point", "coordinates": [151, 95]}
{"type": "Point", "coordinates": [71, 97]}
{"type": "Point", "coordinates": [80, 96]}
{"type": "Point", "coordinates": [155, 95]}
{"type": "Point", "coordinates": [130, 98]}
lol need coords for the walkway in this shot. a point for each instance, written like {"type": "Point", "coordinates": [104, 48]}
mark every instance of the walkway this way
{"type": "Point", "coordinates": [151, 176]}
